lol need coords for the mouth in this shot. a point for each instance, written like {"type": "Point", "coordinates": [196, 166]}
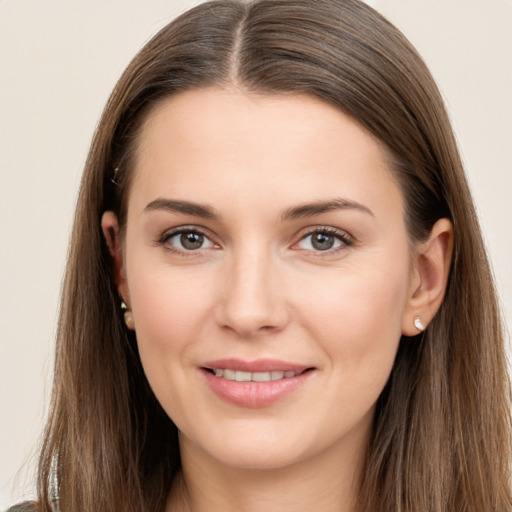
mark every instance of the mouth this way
{"type": "Point", "coordinates": [257, 383]}
{"type": "Point", "coordinates": [244, 376]}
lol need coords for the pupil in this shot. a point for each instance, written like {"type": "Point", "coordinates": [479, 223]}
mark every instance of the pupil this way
{"type": "Point", "coordinates": [322, 242]}
{"type": "Point", "coordinates": [191, 241]}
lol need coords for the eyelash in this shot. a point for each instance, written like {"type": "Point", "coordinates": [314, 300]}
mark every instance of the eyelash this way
{"type": "Point", "coordinates": [342, 236]}
{"type": "Point", "coordinates": [168, 235]}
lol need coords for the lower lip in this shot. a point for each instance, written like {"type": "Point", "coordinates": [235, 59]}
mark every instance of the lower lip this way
{"type": "Point", "coordinates": [254, 394]}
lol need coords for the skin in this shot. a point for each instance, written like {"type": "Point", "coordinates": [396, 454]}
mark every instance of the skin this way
{"type": "Point", "coordinates": [259, 288]}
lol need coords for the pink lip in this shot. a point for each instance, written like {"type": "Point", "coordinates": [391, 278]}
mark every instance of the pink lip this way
{"type": "Point", "coordinates": [254, 394]}
{"type": "Point", "coordinates": [259, 365]}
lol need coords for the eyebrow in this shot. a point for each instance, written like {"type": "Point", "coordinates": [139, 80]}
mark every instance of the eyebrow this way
{"type": "Point", "coordinates": [317, 208]}
{"type": "Point", "coordinates": [185, 207]}
{"type": "Point", "coordinates": [297, 212]}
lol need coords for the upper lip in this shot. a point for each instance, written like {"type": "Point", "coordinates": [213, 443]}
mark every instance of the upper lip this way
{"type": "Point", "coordinates": [258, 365]}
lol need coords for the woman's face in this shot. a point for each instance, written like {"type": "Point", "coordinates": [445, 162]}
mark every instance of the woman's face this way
{"type": "Point", "coordinates": [268, 269]}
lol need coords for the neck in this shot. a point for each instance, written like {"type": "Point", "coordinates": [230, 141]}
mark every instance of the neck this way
{"type": "Point", "coordinates": [328, 482]}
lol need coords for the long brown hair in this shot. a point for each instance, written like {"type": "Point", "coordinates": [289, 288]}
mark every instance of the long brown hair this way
{"type": "Point", "coordinates": [441, 437]}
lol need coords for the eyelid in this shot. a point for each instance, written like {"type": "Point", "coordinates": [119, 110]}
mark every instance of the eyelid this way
{"type": "Point", "coordinates": [346, 238]}
{"type": "Point", "coordinates": [172, 232]}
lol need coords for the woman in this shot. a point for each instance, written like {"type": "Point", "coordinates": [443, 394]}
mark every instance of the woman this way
{"type": "Point", "coordinates": [277, 294]}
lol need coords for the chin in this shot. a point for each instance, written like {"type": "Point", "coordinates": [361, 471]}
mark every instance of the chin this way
{"type": "Point", "coordinates": [265, 445]}
{"type": "Point", "coordinates": [259, 458]}
{"type": "Point", "coordinates": [248, 448]}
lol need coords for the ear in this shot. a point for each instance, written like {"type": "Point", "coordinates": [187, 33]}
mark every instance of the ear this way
{"type": "Point", "coordinates": [431, 267]}
{"type": "Point", "coordinates": [110, 228]}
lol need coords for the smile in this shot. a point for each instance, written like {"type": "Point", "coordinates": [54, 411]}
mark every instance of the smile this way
{"type": "Point", "coordinates": [241, 376]}
{"type": "Point", "coordinates": [255, 384]}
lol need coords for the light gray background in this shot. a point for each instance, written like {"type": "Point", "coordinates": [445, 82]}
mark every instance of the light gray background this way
{"type": "Point", "coordinates": [58, 62]}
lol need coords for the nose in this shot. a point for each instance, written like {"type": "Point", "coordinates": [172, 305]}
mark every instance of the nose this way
{"type": "Point", "coordinates": [252, 297]}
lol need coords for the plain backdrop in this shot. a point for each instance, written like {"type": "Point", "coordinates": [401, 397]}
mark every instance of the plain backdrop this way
{"type": "Point", "coordinates": [58, 63]}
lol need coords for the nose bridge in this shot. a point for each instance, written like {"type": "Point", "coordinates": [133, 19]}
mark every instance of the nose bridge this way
{"type": "Point", "coordinates": [252, 299]}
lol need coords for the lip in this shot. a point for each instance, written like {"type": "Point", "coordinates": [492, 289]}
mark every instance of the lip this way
{"type": "Point", "coordinates": [255, 394]}
{"type": "Point", "coordinates": [259, 365]}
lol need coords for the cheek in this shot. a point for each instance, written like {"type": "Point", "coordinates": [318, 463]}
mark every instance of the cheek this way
{"type": "Point", "coordinates": [358, 326]}
{"type": "Point", "coordinates": [354, 304]}
{"type": "Point", "coordinates": [170, 308]}
{"type": "Point", "coordinates": [357, 319]}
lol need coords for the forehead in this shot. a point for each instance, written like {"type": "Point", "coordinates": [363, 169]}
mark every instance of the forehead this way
{"type": "Point", "coordinates": [229, 143]}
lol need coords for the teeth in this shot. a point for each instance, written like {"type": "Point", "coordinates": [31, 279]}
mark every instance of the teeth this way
{"type": "Point", "coordinates": [229, 374]}
{"type": "Point", "coordinates": [240, 376]}
{"type": "Point", "coordinates": [243, 376]}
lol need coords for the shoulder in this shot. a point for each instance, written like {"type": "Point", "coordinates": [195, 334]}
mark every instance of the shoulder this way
{"type": "Point", "coordinates": [26, 506]}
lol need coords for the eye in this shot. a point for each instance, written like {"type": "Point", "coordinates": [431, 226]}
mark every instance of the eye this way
{"type": "Point", "coordinates": [324, 240]}
{"type": "Point", "coordinates": [187, 240]}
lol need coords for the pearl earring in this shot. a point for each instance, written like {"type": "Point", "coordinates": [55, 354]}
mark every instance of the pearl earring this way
{"type": "Point", "coordinates": [418, 323]}
{"type": "Point", "coordinates": [128, 316]}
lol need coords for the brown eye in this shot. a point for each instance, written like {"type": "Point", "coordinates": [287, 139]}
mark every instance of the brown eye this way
{"type": "Point", "coordinates": [187, 241]}
{"type": "Point", "coordinates": [191, 241]}
{"type": "Point", "coordinates": [322, 241]}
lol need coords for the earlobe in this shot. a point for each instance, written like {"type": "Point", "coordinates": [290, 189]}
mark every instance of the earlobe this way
{"type": "Point", "coordinates": [110, 228]}
{"type": "Point", "coordinates": [430, 277]}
